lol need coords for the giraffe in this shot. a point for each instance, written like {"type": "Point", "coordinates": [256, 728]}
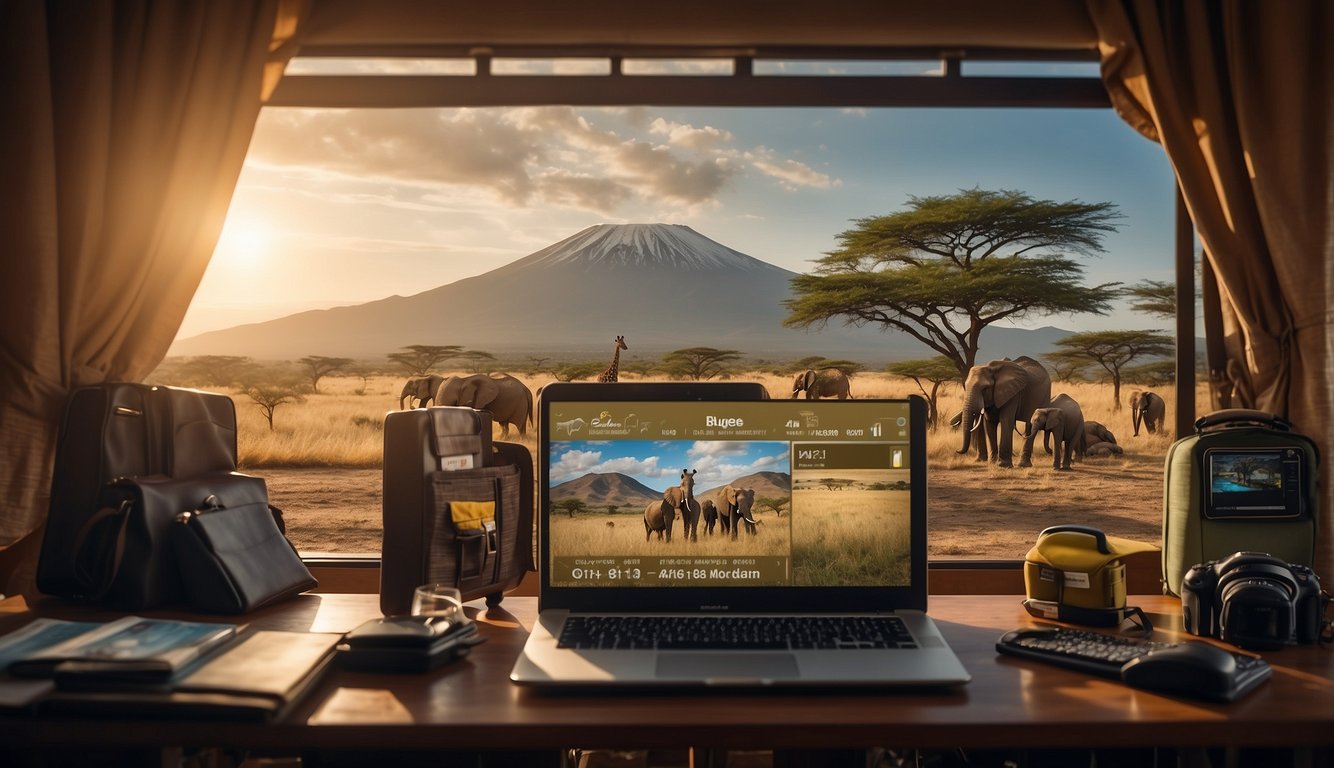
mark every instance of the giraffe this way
{"type": "Point", "coordinates": [613, 372]}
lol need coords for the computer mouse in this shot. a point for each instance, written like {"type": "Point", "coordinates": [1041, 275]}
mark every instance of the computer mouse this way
{"type": "Point", "coordinates": [1190, 669]}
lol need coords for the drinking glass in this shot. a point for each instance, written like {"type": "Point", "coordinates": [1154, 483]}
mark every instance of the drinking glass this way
{"type": "Point", "coordinates": [438, 600]}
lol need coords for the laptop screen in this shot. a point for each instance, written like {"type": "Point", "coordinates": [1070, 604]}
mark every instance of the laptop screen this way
{"type": "Point", "coordinates": [731, 505]}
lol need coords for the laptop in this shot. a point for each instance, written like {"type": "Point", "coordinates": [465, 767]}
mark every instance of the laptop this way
{"type": "Point", "coordinates": [695, 534]}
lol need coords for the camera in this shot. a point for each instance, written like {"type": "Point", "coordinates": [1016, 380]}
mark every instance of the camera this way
{"type": "Point", "coordinates": [1252, 600]}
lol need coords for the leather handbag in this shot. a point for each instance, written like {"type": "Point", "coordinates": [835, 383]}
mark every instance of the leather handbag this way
{"type": "Point", "coordinates": [123, 558]}
{"type": "Point", "coordinates": [233, 556]}
{"type": "Point", "coordinates": [126, 557]}
{"type": "Point", "coordinates": [117, 430]}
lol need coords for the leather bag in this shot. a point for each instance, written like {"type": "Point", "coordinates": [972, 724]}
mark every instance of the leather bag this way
{"type": "Point", "coordinates": [115, 430]}
{"type": "Point", "coordinates": [123, 551]}
{"type": "Point", "coordinates": [233, 556]}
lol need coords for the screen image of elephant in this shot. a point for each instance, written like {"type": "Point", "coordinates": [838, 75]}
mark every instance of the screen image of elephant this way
{"type": "Point", "coordinates": [643, 498]}
{"type": "Point", "coordinates": [845, 526]}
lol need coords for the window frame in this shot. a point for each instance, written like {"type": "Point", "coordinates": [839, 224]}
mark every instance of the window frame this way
{"type": "Point", "coordinates": [949, 88]}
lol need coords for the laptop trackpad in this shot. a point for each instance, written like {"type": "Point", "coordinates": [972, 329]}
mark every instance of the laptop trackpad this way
{"type": "Point", "coordinates": [699, 666]}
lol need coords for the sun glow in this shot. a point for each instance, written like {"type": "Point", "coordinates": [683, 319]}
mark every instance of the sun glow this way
{"type": "Point", "coordinates": [245, 243]}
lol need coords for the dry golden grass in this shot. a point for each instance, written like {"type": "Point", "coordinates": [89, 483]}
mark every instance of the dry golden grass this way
{"type": "Point", "coordinates": [849, 536]}
{"type": "Point", "coordinates": [322, 462]}
{"type": "Point", "coordinates": [590, 535]}
{"type": "Point", "coordinates": [341, 426]}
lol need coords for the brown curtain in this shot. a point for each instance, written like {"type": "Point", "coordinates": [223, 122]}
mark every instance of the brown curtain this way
{"type": "Point", "coordinates": [1238, 93]}
{"type": "Point", "coordinates": [125, 128]}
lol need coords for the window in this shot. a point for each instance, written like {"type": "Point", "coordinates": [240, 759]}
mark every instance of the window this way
{"type": "Point", "coordinates": [343, 216]}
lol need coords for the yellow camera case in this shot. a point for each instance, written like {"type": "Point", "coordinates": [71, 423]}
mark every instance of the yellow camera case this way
{"type": "Point", "coordinates": [1075, 573]}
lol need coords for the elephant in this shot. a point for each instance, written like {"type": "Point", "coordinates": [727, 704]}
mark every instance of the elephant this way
{"type": "Point", "coordinates": [997, 396]}
{"type": "Point", "coordinates": [1097, 432]}
{"type": "Point", "coordinates": [660, 515]}
{"type": "Point", "coordinates": [1147, 407]}
{"type": "Point", "coordinates": [1103, 449]}
{"type": "Point", "coordinates": [1098, 441]}
{"type": "Point", "coordinates": [734, 509]}
{"type": "Point", "coordinates": [709, 512]}
{"type": "Point", "coordinates": [1064, 420]}
{"type": "Point", "coordinates": [507, 398]}
{"type": "Point", "coordinates": [828, 382]}
{"type": "Point", "coordinates": [423, 388]}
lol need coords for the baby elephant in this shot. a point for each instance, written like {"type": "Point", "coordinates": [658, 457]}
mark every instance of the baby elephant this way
{"type": "Point", "coordinates": [1062, 421]}
{"type": "Point", "coordinates": [1098, 441]}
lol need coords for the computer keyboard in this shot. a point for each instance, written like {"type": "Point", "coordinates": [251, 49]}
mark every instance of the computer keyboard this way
{"type": "Point", "coordinates": [1192, 668]}
{"type": "Point", "coordinates": [734, 632]}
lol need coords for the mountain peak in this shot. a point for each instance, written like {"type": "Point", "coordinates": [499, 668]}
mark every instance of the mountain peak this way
{"type": "Point", "coordinates": [640, 247]}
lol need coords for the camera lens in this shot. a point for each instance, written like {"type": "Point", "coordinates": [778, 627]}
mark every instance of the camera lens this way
{"type": "Point", "coordinates": [1257, 613]}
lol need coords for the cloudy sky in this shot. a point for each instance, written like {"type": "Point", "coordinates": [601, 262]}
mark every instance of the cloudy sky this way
{"type": "Point", "coordinates": [658, 463]}
{"type": "Point", "coordinates": [345, 206]}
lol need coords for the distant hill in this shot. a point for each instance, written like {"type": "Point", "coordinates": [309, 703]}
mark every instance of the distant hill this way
{"type": "Point", "coordinates": [662, 286]}
{"type": "Point", "coordinates": [602, 489]}
{"type": "Point", "coordinates": [775, 484]}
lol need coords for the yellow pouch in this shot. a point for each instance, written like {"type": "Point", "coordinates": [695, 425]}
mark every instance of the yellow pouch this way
{"type": "Point", "coordinates": [472, 515]}
{"type": "Point", "coordinates": [1075, 573]}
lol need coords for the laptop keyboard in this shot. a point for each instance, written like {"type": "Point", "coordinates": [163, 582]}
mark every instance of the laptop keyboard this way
{"type": "Point", "coordinates": [734, 632]}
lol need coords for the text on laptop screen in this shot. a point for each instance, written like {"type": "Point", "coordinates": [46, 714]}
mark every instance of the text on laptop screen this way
{"type": "Point", "coordinates": [729, 494]}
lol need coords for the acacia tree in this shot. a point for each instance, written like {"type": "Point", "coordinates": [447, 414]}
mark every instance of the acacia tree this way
{"type": "Point", "coordinates": [1153, 297]}
{"type": "Point", "coordinates": [936, 370]}
{"type": "Point", "coordinates": [317, 367]}
{"type": "Point", "coordinates": [476, 360]}
{"type": "Point", "coordinates": [949, 266]}
{"type": "Point", "coordinates": [699, 362]}
{"type": "Point", "coordinates": [1112, 350]}
{"type": "Point", "coordinates": [816, 362]}
{"type": "Point", "coordinates": [419, 359]}
{"type": "Point", "coordinates": [1155, 374]}
{"type": "Point", "coordinates": [571, 506]}
{"type": "Point", "coordinates": [270, 389]}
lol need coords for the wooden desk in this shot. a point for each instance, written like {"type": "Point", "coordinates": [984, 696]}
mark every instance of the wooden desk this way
{"type": "Point", "coordinates": [471, 705]}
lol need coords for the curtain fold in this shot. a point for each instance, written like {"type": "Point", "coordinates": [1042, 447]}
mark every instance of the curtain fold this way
{"type": "Point", "coordinates": [126, 125]}
{"type": "Point", "coordinates": [1239, 94]}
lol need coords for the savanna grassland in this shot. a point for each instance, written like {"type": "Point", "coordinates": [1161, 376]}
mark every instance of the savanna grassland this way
{"type": "Point", "coordinates": [841, 533]}
{"type": "Point", "coordinates": [322, 463]}
{"type": "Point", "coordinates": [591, 535]}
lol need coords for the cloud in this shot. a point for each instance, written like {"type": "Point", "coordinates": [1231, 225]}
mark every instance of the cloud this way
{"type": "Point", "coordinates": [703, 448]}
{"type": "Point", "coordinates": [685, 135]}
{"type": "Point", "coordinates": [423, 146]}
{"type": "Point", "coordinates": [595, 160]}
{"type": "Point", "coordinates": [791, 174]}
{"type": "Point", "coordinates": [574, 463]}
{"type": "Point", "coordinates": [633, 466]}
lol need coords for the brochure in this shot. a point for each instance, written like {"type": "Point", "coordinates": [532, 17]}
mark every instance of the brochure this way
{"type": "Point", "coordinates": [258, 678]}
{"type": "Point", "coordinates": [132, 648]}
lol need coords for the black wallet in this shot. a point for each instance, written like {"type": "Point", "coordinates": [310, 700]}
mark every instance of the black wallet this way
{"type": "Point", "coordinates": [407, 643]}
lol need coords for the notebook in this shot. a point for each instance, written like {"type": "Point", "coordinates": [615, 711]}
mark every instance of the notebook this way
{"type": "Point", "coordinates": [695, 534]}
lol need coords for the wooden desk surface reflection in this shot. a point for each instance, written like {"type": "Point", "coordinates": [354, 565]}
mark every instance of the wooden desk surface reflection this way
{"type": "Point", "coordinates": [472, 705]}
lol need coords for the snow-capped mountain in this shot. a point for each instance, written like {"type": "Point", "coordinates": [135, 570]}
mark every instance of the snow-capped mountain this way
{"type": "Point", "coordinates": [662, 286]}
{"type": "Point", "coordinates": [640, 246]}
